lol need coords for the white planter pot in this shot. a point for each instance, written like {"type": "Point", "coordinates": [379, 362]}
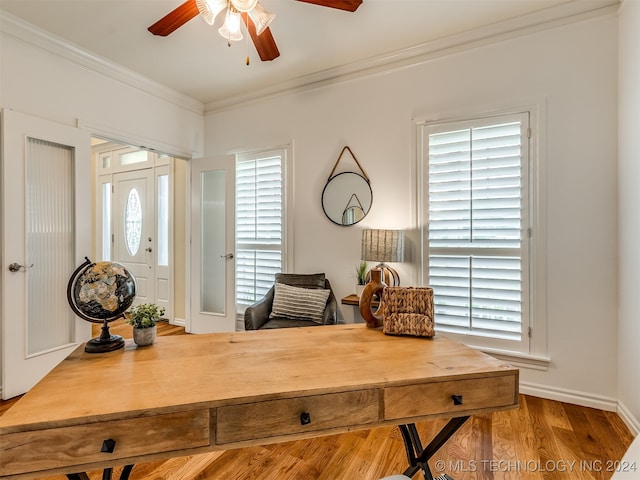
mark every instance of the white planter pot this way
{"type": "Point", "coordinates": [359, 289]}
{"type": "Point", "coordinates": [144, 336]}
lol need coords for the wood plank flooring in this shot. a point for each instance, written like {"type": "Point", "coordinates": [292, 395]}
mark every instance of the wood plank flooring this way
{"type": "Point", "coordinates": [542, 440]}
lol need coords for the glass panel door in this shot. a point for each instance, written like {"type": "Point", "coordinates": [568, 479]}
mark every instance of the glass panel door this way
{"type": "Point", "coordinates": [212, 298]}
{"type": "Point", "coordinates": [46, 234]}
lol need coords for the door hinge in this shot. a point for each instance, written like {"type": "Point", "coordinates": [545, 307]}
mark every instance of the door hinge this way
{"type": "Point", "coordinates": [113, 238]}
{"type": "Point", "coordinates": [529, 332]}
{"type": "Point", "coordinates": [529, 232]}
{"type": "Point", "coordinates": [529, 132]}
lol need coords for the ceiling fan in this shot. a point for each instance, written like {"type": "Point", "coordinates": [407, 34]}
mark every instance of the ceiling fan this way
{"type": "Point", "coordinates": [255, 18]}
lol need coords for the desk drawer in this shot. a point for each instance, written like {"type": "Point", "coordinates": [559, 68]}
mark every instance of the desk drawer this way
{"type": "Point", "coordinates": [81, 444]}
{"type": "Point", "coordinates": [437, 397]}
{"type": "Point", "coordinates": [252, 421]}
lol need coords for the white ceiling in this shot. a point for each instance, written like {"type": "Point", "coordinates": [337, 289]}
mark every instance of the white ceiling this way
{"type": "Point", "coordinates": [196, 61]}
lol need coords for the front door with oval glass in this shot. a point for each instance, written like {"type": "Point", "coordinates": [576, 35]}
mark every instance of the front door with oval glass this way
{"type": "Point", "coordinates": [133, 228]}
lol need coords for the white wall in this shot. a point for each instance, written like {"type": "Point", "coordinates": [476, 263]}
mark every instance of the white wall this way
{"type": "Point", "coordinates": [629, 202]}
{"type": "Point", "coordinates": [39, 83]}
{"type": "Point", "coordinates": [574, 68]}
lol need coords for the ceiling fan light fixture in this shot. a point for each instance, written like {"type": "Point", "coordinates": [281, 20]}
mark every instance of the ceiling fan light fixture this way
{"type": "Point", "coordinates": [209, 9]}
{"type": "Point", "coordinates": [261, 18]}
{"type": "Point", "coordinates": [231, 27]}
{"type": "Point", "coordinates": [244, 5]}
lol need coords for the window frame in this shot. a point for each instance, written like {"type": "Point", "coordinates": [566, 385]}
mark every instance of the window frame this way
{"type": "Point", "coordinates": [531, 351]}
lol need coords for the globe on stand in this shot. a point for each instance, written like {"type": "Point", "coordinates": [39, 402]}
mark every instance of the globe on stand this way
{"type": "Point", "coordinates": [101, 293]}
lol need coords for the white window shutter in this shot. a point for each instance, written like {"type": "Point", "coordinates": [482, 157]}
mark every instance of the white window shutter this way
{"type": "Point", "coordinates": [259, 220]}
{"type": "Point", "coordinates": [476, 175]}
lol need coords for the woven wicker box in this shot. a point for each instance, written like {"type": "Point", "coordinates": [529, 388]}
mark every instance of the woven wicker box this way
{"type": "Point", "coordinates": [407, 311]}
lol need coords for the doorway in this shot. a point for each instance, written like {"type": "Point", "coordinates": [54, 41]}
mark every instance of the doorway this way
{"type": "Point", "coordinates": [134, 218]}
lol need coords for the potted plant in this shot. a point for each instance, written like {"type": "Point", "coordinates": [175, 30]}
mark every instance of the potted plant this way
{"type": "Point", "coordinates": [361, 277]}
{"type": "Point", "coordinates": [144, 318]}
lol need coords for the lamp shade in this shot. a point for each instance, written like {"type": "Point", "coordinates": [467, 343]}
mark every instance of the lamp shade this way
{"type": "Point", "coordinates": [244, 5]}
{"type": "Point", "coordinates": [231, 27]}
{"type": "Point", "coordinates": [261, 18]}
{"type": "Point", "coordinates": [382, 245]}
{"type": "Point", "coordinates": [209, 9]}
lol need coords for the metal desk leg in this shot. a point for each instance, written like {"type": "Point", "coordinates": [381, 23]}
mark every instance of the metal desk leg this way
{"type": "Point", "coordinates": [106, 474]}
{"type": "Point", "coordinates": [419, 457]}
{"type": "Point", "coordinates": [126, 471]}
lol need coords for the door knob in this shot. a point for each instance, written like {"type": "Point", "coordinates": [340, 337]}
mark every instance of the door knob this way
{"type": "Point", "coordinates": [16, 267]}
{"type": "Point", "coordinates": [228, 256]}
{"type": "Point", "coordinates": [148, 249]}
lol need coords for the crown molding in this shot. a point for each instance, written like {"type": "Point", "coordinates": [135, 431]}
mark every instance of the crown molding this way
{"type": "Point", "coordinates": [566, 13]}
{"type": "Point", "coordinates": [17, 28]}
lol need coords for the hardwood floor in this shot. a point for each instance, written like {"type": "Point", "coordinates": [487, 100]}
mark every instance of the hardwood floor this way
{"type": "Point", "coordinates": [542, 440]}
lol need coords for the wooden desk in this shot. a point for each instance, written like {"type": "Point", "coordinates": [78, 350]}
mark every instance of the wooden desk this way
{"type": "Point", "coordinates": [196, 393]}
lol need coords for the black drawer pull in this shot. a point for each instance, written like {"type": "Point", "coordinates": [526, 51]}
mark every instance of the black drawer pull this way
{"type": "Point", "coordinates": [305, 418]}
{"type": "Point", "coordinates": [108, 446]}
{"type": "Point", "coordinates": [457, 399]}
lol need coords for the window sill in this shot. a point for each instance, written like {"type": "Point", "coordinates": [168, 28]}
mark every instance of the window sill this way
{"type": "Point", "coordinates": [517, 359]}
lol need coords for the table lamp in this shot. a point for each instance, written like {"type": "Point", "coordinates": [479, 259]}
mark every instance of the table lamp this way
{"type": "Point", "coordinates": [379, 246]}
{"type": "Point", "coordinates": [383, 246]}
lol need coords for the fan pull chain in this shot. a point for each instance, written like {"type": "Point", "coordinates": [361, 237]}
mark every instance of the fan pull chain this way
{"type": "Point", "coordinates": [228, 13]}
{"type": "Point", "coordinates": [247, 61]}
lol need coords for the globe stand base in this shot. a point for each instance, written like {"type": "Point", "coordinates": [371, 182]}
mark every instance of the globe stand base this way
{"type": "Point", "coordinates": [105, 342]}
{"type": "Point", "coordinates": [97, 345]}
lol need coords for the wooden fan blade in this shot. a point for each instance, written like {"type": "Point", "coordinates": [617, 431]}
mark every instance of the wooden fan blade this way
{"type": "Point", "coordinates": [348, 5]}
{"type": "Point", "coordinates": [264, 43]}
{"type": "Point", "coordinates": [175, 19]}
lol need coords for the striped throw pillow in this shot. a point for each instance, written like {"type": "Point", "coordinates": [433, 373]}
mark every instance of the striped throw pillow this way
{"type": "Point", "coordinates": [299, 303]}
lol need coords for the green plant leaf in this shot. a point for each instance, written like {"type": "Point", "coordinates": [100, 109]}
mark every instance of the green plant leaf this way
{"type": "Point", "coordinates": [145, 315]}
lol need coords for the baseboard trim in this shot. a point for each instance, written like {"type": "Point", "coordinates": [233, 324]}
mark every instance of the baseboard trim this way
{"type": "Point", "coordinates": [583, 399]}
{"type": "Point", "coordinates": [628, 418]}
{"type": "Point", "coordinates": [181, 322]}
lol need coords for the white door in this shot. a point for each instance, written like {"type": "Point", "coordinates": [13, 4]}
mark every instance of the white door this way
{"type": "Point", "coordinates": [134, 229]}
{"type": "Point", "coordinates": [212, 288]}
{"type": "Point", "coordinates": [46, 233]}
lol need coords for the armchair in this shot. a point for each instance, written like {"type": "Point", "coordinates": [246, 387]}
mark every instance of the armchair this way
{"type": "Point", "coordinates": [261, 315]}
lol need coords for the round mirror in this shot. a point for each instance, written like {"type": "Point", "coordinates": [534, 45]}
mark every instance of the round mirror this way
{"type": "Point", "coordinates": [347, 198]}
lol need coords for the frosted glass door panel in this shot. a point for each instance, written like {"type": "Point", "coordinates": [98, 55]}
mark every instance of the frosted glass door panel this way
{"type": "Point", "coordinates": [163, 220]}
{"type": "Point", "coordinates": [50, 244]}
{"type": "Point", "coordinates": [136, 156]}
{"type": "Point", "coordinates": [106, 221]}
{"type": "Point", "coordinates": [133, 222]}
{"type": "Point", "coordinates": [212, 221]}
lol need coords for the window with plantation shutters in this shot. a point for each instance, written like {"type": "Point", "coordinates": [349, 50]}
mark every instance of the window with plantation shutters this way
{"type": "Point", "coordinates": [476, 203]}
{"type": "Point", "coordinates": [259, 224]}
